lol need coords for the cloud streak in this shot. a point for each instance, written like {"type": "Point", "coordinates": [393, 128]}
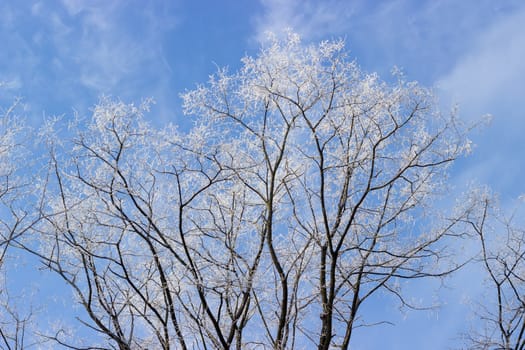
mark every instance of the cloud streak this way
{"type": "Point", "coordinates": [312, 19]}
{"type": "Point", "coordinates": [422, 37]}
{"type": "Point", "coordinates": [493, 67]}
{"type": "Point", "coordinates": [71, 53]}
{"type": "Point", "coordinates": [490, 78]}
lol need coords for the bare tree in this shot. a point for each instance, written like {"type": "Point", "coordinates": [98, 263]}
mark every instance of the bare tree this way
{"type": "Point", "coordinates": [14, 320]}
{"type": "Point", "coordinates": [9, 147]}
{"type": "Point", "coordinates": [502, 312]}
{"type": "Point", "coordinates": [145, 227]}
{"type": "Point", "coordinates": [305, 188]}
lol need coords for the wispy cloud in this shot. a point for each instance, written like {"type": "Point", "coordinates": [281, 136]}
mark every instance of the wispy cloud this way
{"type": "Point", "coordinates": [492, 69]}
{"type": "Point", "coordinates": [422, 37]}
{"type": "Point", "coordinates": [490, 78]}
{"type": "Point", "coordinates": [68, 53]}
{"type": "Point", "coordinates": [113, 43]}
{"type": "Point", "coordinates": [312, 19]}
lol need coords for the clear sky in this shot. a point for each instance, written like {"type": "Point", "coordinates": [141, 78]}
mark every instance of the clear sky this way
{"type": "Point", "coordinates": [61, 56]}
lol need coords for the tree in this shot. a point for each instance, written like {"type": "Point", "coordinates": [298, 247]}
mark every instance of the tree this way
{"type": "Point", "coordinates": [9, 128]}
{"type": "Point", "coordinates": [13, 223]}
{"type": "Point", "coordinates": [305, 188]}
{"type": "Point", "coordinates": [502, 256]}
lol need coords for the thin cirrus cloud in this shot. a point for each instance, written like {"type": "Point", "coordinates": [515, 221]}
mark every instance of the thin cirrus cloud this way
{"type": "Point", "coordinates": [69, 53]}
{"type": "Point", "coordinates": [493, 68]}
{"type": "Point", "coordinates": [422, 37]}
{"type": "Point", "coordinates": [312, 19]}
{"type": "Point", "coordinates": [115, 46]}
{"type": "Point", "coordinates": [490, 78]}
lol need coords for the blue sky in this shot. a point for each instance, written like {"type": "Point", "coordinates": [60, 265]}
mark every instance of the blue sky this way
{"type": "Point", "coordinates": [61, 56]}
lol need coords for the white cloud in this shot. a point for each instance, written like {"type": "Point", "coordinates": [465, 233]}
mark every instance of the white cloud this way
{"type": "Point", "coordinates": [493, 70]}
{"type": "Point", "coordinates": [106, 47]}
{"type": "Point", "coordinates": [66, 54]}
{"type": "Point", "coordinates": [14, 83]}
{"type": "Point", "coordinates": [7, 16]}
{"type": "Point", "coordinates": [423, 37]}
{"type": "Point", "coordinates": [490, 78]}
{"type": "Point", "coordinates": [103, 53]}
{"type": "Point", "coordinates": [74, 7]}
{"type": "Point", "coordinates": [311, 19]}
